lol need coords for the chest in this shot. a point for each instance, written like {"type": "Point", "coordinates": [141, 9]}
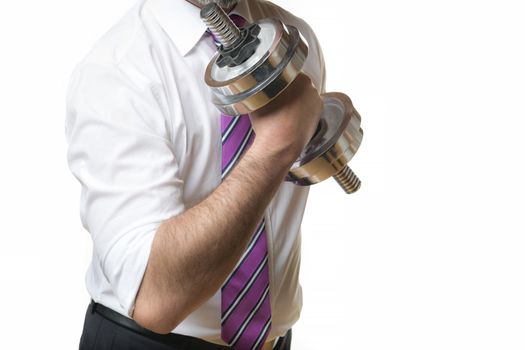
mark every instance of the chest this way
{"type": "Point", "coordinates": [195, 122]}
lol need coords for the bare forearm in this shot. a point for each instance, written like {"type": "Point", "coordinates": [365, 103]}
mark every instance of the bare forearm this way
{"type": "Point", "coordinates": [194, 252]}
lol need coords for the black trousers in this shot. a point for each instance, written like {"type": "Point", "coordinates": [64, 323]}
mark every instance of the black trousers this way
{"type": "Point", "coordinates": [101, 333]}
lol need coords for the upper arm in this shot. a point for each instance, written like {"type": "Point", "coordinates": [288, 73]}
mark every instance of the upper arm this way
{"type": "Point", "coordinates": [121, 153]}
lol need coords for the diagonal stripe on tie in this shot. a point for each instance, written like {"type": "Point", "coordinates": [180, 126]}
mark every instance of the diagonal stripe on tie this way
{"type": "Point", "coordinates": [227, 131]}
{"type": "Point", "coordinates": [246, 325]}
{"type": "Point", "coordinates": [237, 137]}
{"type": "Point", "coordinates": [227, 165]}
{"type": "Point", "coordinates": [246, 253]}
{"type": "Point", "coordinates": [254, 324]}
{"type": "Point", "coordinates": [263, 334]}
{"type": "Point", "coordinates": [250, 267]}
{"type": "Point", "coordinates": [247, 294]}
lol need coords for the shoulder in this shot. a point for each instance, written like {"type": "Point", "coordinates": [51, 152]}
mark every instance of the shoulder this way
{"type": "Point", "coordinates": [118, 80]}
{"type": "Point", "coordinates": [124, 50]}
{"type": "Point", "coordinates": [122, 62]}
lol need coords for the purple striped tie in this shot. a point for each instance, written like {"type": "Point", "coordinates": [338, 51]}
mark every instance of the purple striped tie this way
{"type": "Point", "coordinates": [245, 299]}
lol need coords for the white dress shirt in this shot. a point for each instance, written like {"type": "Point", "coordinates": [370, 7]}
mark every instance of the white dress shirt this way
{"type": "Point", "coordinates": [144, 142]}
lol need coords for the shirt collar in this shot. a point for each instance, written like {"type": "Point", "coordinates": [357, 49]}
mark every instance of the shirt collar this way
{"type": "Point", "coordinates": [181, 21]}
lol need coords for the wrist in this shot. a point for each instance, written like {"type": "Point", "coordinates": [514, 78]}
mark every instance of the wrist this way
{"type": "Point", "coordinates": [277, 160]}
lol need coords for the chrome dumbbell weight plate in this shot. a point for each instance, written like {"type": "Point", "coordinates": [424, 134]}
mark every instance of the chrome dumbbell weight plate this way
{"type": "Point", "coordinates": [335, 142]}
{"type": "Point", "coordinates": [252, 84]}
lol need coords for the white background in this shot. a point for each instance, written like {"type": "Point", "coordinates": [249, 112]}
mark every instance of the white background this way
{"type": "Point", "coordinates": [429, 254]}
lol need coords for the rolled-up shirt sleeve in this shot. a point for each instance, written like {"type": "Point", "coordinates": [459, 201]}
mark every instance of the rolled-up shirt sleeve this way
{"type": "Point", "coordinates": [120, 151]}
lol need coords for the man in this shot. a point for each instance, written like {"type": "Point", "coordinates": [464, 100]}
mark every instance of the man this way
{"type": "Point", "coordinates": [145, 144]}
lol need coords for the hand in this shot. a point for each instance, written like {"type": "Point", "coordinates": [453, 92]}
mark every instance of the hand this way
{"type": "Point", "coordinates": [286, 125]}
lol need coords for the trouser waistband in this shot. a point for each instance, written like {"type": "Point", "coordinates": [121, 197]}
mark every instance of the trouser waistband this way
{"type": "Point", "coordinates": [177, 341]}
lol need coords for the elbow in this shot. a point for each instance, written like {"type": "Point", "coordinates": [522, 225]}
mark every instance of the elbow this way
{"type": "Point", "coordinates": [150, 323]}
{"type": "Point", "coordinates": [152, 316]}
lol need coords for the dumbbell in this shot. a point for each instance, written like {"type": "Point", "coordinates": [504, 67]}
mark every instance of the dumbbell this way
{"type": "Point", "coordinates": [257, 62]}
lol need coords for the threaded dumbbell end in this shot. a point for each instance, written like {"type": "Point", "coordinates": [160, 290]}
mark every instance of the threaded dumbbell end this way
{"type": "Point", "coordinates": [348, 180]}
{"type": "Point", "coordinates": [221, 26]}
